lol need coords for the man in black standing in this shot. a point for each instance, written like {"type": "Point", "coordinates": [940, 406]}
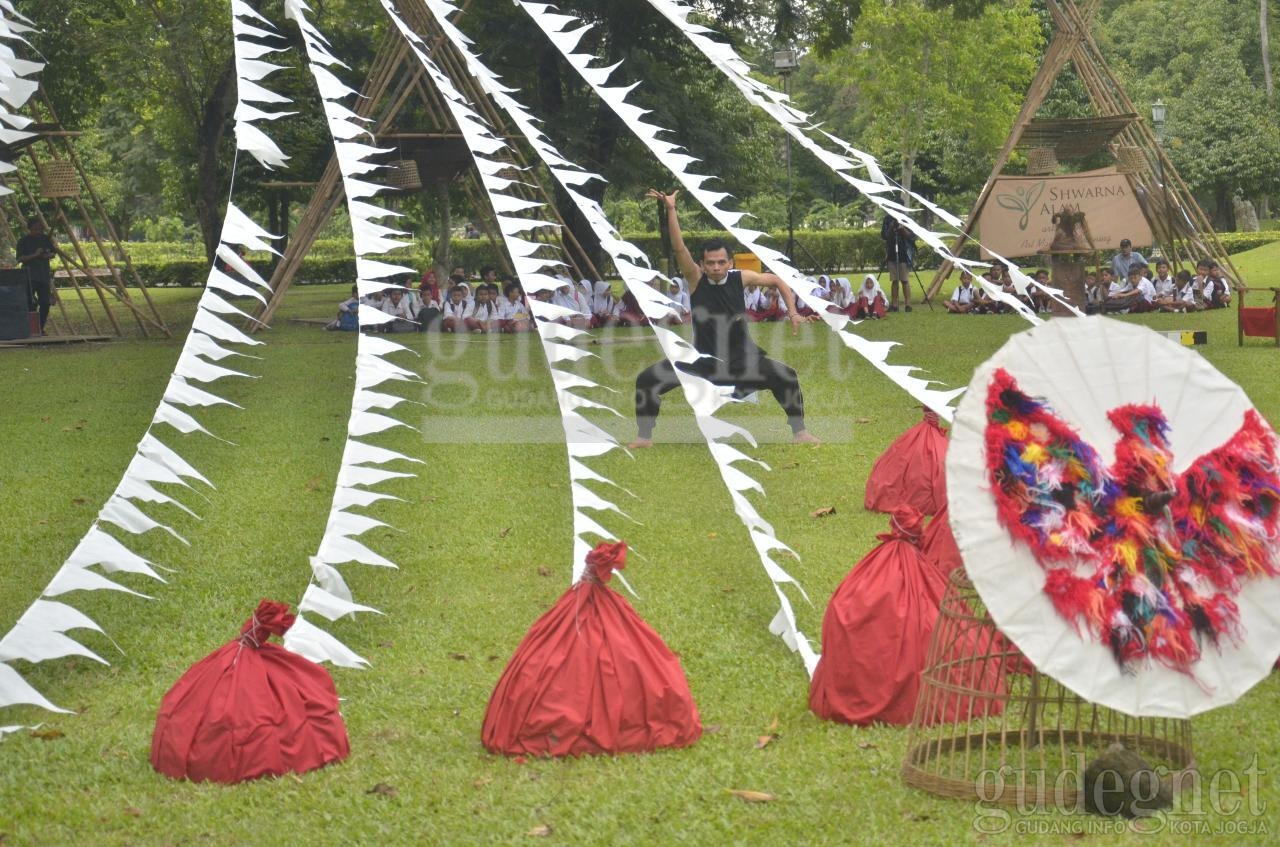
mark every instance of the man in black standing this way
{"type": "Point", "coordinates": [729, 356]}
{"type": "Point", "coordinates": [899, 258]}
{"type": "Point", "coordinates": [34, 250]}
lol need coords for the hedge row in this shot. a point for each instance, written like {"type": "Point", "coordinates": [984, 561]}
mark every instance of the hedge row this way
{"type": "Point", "coordinates": [835, 250]}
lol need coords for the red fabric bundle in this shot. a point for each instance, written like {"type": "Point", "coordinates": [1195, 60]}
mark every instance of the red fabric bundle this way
{"type": "Point", "coordinates": [591, 677]}
{"type": "Point", "coordinates": [912, 472]}
{"type": "Point", "coordinates": [250, 709]}
{"type": "Point", "coordinates": [939, 545]}
{"type": "Point", "coordinates": [876, 631]}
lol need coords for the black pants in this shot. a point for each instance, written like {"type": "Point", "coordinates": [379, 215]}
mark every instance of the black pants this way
{"type": "Point", "coordinates": [42, 299]}
{"type": "Point", "coordinates": [760, 373]}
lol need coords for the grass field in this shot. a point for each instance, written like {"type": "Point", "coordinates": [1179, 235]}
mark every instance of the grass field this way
{"type": "Point", "coordinates": [486, 519]}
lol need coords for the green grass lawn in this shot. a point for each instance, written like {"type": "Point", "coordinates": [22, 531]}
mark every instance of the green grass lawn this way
{"type": "Point", "coordinates": [484, 548]}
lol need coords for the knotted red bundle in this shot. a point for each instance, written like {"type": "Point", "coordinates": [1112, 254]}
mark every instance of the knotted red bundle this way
{"type": "Point", "coordinates": [939, 545]}
{"type": "Point", "coordinates": [250, 709]}
{"type": "Point", "coordinates": [912, 471]}
{"type": "Point", "coordinates": [876, 631]}
{"type": "Point", "coordinates": [591, 677]}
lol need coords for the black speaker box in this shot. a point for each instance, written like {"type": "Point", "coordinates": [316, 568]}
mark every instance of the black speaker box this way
{"type": "Point", "coordinates": [15, 304]}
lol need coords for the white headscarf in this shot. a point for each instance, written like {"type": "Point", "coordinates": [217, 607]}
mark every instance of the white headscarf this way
{"type": "Point", "coordinates": [602, 302]}
{"type": "Point", "coordinates": [870, 293]}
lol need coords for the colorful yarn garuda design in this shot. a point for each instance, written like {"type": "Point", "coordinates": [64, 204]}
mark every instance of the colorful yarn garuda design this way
{"type": "Point", "coordinates": [1169, 552]}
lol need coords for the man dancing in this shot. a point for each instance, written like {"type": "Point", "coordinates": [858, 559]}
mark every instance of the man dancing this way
{"type": "Point", "coordinates": [728, 354]}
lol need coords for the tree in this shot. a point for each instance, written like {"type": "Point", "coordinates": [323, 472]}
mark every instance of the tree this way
{"type": "Point", "coordinates": [913, 73]}
{"type": "Point", "coordinates": [1224, 140]}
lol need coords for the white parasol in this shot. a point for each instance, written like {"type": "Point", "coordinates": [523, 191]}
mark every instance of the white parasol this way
{"type": "Point", "coordinates": [1084, 368]}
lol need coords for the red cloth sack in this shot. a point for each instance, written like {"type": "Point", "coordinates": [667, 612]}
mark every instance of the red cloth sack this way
{"type": "Point", "coordinates": [250, 709]}
{"type": "Point", "coordinates": [912, 471]}
{"type": "Point", "coordinates": [876, 631]}
{"type": "Point", "coordinates": [939, 545]}
{"type": "Point", "coordinates": [591, 677]}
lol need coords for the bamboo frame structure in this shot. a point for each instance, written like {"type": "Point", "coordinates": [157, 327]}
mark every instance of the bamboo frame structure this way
{"type": "Point", "coordinates": [1176, 219]}
{"type": "Point", "coordinates": [395, 80]}
{"type": "Point", "coordinates": [989, 726]}
{"type": "Point", "coordinates": [97, 264]}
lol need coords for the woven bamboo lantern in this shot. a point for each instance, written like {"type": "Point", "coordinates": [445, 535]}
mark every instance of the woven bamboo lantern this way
{"type": "Point", "coordinates": [1024, 742]}
{"type": "Point", "coordinates": [59, 178]}
{"type": "Point", "coordinates": [1042, 161]}
{"type": "Point", "coordinates": [403, 175]}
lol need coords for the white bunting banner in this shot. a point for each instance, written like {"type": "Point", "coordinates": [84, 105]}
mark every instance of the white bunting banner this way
{"type": "Point", "coordinates": [553, 26]}
{"type": "Point", "coordinates": [41, 631]}
{"type": "Point", "coordinates": [797, 124]}
{"type": "Point", "coordinates": [631, 262]}
{"type": "Point", "coordinates": [328, 594]}
{"type": "Point", "coordinates": [535, 274]}
{"type": "Point", "coordinates": [15, 88]}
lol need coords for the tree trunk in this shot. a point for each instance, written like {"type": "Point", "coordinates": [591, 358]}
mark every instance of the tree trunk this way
{"type": "Point", "coordinates": [443, 254]}
{"type": "Point", "coordinates": [1264, 34]}
{"type": "Point", "coordinates": [209, 188]}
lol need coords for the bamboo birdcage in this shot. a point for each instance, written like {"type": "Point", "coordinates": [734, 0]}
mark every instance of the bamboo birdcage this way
{"type": "Point", "coordinates": [1036, 738]}
{"type": "Point", "coordinates": [403, 175]}
{"type": "Point", "coordinates": [1042, 161]}
{"type": "Point", "coordinates": [1130, 160]}
{"type": "Point", "coordinates": [58, 178]}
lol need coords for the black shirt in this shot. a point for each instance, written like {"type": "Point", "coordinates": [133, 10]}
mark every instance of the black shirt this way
{"type": "Point", "coordinates": [37, 268]}
{"type": "Point", "coordinates": [720, 322]}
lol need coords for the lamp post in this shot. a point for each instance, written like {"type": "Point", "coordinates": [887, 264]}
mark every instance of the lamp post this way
{"type": "Point", "coordinates": [785, 63]}
{"type": "Point", "coordinates": [1159, 111]}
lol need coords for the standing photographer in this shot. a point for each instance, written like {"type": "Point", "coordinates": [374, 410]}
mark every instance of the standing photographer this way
{"type": "Point", "coordinates": [899, 258]}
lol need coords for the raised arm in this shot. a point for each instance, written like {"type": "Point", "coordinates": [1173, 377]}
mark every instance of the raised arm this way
{"type": "Point", "coordinates": [688, 267]}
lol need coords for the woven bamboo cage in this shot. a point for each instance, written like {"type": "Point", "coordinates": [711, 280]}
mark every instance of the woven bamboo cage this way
{"type": "Point", "coordinates": [1130, 160]}
{"type": "Point", "coordinates": [1042, 161]}
{"type": "Point", "coordinates": [403, 175]}
{"type": "Point", "coordinates": [58, 178]}
{"type": "Point", "coordinates": [1024, 740]}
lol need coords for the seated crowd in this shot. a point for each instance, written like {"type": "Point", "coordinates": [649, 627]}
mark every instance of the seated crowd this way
{"type": "Point", "coordinates": [1128, 284]}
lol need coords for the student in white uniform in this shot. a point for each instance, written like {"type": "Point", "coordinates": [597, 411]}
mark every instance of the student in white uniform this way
{"type": "Point", "coordinates": [964, 298]}
{"type": "Point", "coordinates": [604, 308]}
{"type": "Point", "coordinates": [456, 309]}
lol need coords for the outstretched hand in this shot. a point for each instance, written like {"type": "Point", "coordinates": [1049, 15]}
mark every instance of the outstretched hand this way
{"type": "Point", "coordinates": [796, 319]}
{"type": "Point", "coordinates": [668, 199]}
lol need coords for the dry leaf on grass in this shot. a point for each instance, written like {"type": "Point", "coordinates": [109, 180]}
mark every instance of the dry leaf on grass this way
{"type": "Point", "coordinates": [544, 571]}
{"type": "Point", "coordinates": [383, 790]}
{"type": "Point", "coordinates": [788, 466]}
{"type": "Point", "coordinates": [459, 657]}
{"type": "Point", "coordinates": [314, 483]}
{"type": "Point", "coordinates": [823, 512]}
{"type": "Point", "coordinates": [48, 734]}
{"type": "Point", "coordinates": [867, 745]}
{"type": "Point", "coordinates": [862, 420]}
{"type": "Point", "coordinates": [751, 796]}
{"type": "Point", "coordinates": [711, 729]}
{"type": "Point", "coordinates": [133, 811]}
{"type": "Point", "coordinates": [540, 831]}
{"type": "Point", "coordinates": [765, 740]}
{"type": "Point", "coordinates": [482, 781]}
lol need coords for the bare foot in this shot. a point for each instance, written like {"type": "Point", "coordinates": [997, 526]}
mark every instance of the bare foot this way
{"type": "Point", "coordinates": [640, 443]}
{"type": "Point", "coordinates": [804, 436]}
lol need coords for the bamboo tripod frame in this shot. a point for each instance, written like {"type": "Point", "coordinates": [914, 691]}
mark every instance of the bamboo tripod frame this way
{"type": "Point", "coordinates": [1171, 200]}
{"type": "Point", "coordinates": [1024, 740]}
{"type": "Point", "coordinates": [113, 273]}
{"type": "Point", "coordinates": [395, 79]}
